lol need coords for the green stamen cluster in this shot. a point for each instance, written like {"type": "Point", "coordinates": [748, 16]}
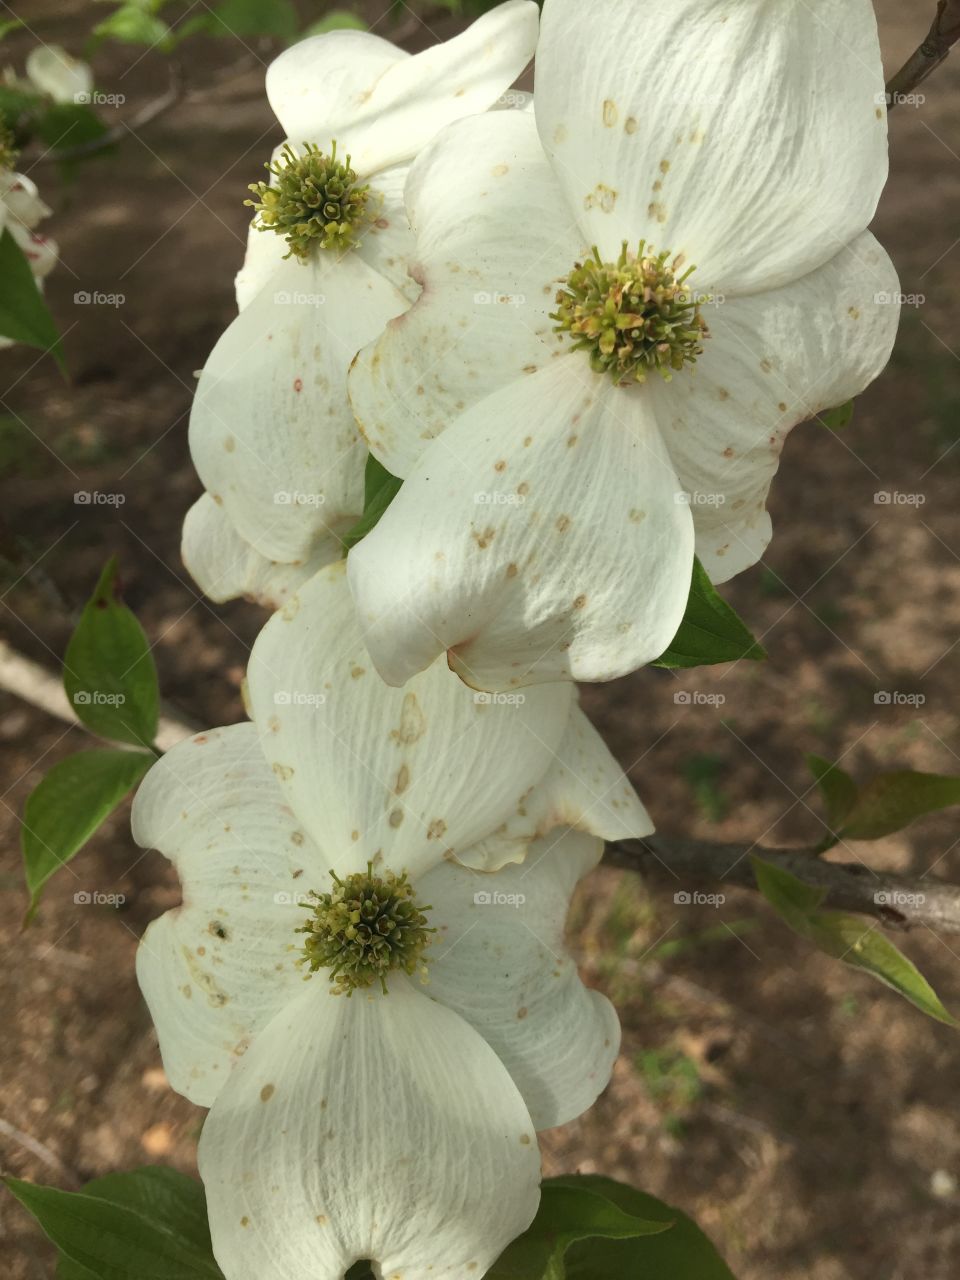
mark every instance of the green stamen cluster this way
{"type": "Point", "coordinates": [314, 200]}
{"type": "Point", "coordinates": [364, 928]}
{"type": "Point", "coordinates": [633, 315]}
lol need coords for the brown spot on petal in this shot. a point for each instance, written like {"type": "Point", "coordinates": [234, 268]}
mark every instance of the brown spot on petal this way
{"type": "Point", "coordinates": [610, 113]}
{"type": "Point", "coordinates": [267, 1092]}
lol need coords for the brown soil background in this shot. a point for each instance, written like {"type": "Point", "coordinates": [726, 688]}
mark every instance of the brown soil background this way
{"type": "Point", "coordinates": [806, 1117]}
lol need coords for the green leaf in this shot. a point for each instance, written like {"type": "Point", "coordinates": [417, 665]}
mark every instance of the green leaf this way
{"type": "Point", "coordinates": [379, 490]}
{"type": "Point", "coordinates": [134, 24]}
{"type": "Point", "coordinates": [569, 1212]}
{"type": "Point", "coordinates": [710, 631]}
{"type": "Point", "coordinates": [121, 1235]}
{"type": "Point", "coordinates": [838, 418]}
{"type": "Point", "coordinates": [11, 24]}
{"type": "Point", "coordinates": [336, 20]}
{"type": "Point", "coordinates": [844, 937]}
{"type": "Point", "coordinates": [255, 18]}
{"type": "Point", "coordinates": [838, 789]}
{"type": "Point", "coordinates": [682, 1253]}
{"type": "Point", "coordinates": [69, 804]}
{"type": "Point", "coordinates": [108, 670]}
{"type": "Point", "coordinates": [891, 801]}
{"type": "Point", "coordinates": [23, 313]}
{"type": "Point", "coordinates": [69, 124]}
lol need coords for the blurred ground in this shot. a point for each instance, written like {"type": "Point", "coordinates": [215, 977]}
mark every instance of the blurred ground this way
{"type": "Point", "coordinates": [804, 1116]}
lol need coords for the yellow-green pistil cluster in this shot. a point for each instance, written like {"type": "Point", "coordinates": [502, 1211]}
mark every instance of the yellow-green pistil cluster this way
{"type": "Point", "coordinates": [8, 149]}
{"type": "Point", "coordinates": [366, 927]}
{"type": "Point", "coordinates": [314, 199]}
{"type": "Point", "coordinates": [633, 315]}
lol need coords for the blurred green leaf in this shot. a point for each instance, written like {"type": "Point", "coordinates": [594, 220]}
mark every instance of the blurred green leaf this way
{"type": "Point", "coordinates": [379, 490]}
{"type": "Point", "coordinates": [255, 18]}
{"type": "Point", "coordinates": [569, 1211]}
{"type": "Point", "coordinates": [69, 804]}
{"type": "Point", "coordinates": [108, 669]}
{"type": "Point", "coordinates": [23, 313]}
{"type": "Point", "coordinates": [844, 937]}
{"type": "Point", "coordinates": [838, 418]}
{"type": "Point", "coordinates": [135, 24]}
{"type": "Point", "coordinates": [891, 801]}
{"type": "Point", "coordinates": [121, 1235]}
{"type": "Point", "coordinates": [838, 789]}
{"type": "Point", "coordinates": [710, 632]}
{"type": "Point", "coordinates": [69, 124]}
{"type": "Point", "coordinates": [336, 20]}
{"type": "Point", "coordinates": [10, 24]}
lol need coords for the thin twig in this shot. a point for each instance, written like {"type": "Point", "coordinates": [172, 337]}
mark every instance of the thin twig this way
{"type": "Point", "coordinates": [899, 902]}
{"type": "Point", "coordinates": [150, 111]}
{"type": "Point", "coordinates": [943, 35]}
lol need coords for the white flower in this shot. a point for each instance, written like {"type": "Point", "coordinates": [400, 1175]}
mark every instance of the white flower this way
{"type": "Point", "coordinates": [271, 433]}
{"type": "Point", "coordinates": [394, 1126]}
{"type": "Point", "coordinates": [742, 137]}
{"type": "Point", "coordinates": [21, 211]}
{"type": "Point", "coordinates": [58, 74]}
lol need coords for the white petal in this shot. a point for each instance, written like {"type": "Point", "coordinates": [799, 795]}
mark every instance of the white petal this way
{"type": "Point", "coordinates": [772, 360]}
{"type": "Point", "coordinates": [750, 137]}
{"type": "Point", "coordinates": [540, 538]}
{"type": "Point", "coordinates": [263, 259]}
{"type": "Point", "coordinates": [585, 788]}
{"type": "Point", "coordinates": [225, 567]}
{"type": "Point", "coordinates": [40, 251]}
{"type": "Point", "coordinates": [387, 244]}
{"type": "Point", "coordinates": [403, 775]}
{"type": "Point", "coordinates": [383, 106]}
{"type": "Point", "coordinates": [493, 237]}
{"type": "Point", "coordinates": [55, 72]}
{"type": "Point", "coordinates": [377, 1127]}
{"type": "Point", "coordinates": [271, 430]}
{"type": "Point", "coordinates": [215, 970]}
{"type": "Point", "coordinates": [21, 198]}
{"type": "Point", "coordinates": [500, 962]}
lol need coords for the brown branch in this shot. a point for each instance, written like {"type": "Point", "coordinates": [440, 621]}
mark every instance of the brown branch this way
{"type": "Point", "coordinates": [941, 38]}
{"type": "Point", "coordinates": [900, 902]}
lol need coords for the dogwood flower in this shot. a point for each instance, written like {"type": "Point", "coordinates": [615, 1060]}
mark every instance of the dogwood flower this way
{"type": "Point", "coordinates": [361, 1114]}
{"type": "Point", "coordinates": [58, 74]}
{"type": "Point", "coordinates": [21, 211]}
{"type": "Point", "coordinates": [271, 433]}
{"type": "Point", "coordinates": [627, 303]}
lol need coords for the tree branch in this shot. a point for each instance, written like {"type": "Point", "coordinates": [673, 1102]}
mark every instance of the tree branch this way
{"type": "Point", "coordinates": [899, 902]}
{"type": "Point", "coordinates": [941, 38]}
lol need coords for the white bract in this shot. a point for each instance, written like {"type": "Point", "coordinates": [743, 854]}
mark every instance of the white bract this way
{"type": "Point", "coordinates": [271, 433]}
{"type": "Point", "coordinates": [21, 212]}
{"type": "Point", "coordinates": [58, 74]}
{"type": "Point", "coordinates": [574, 408]}
{"type": "Point", "coordinates": [361, 1114]}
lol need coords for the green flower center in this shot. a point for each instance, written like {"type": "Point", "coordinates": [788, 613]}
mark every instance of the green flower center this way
{"type": "Point", "coordinates": [633, 315]}
{"type": "Point", "coordinates": [314, 199]}
{"type": "Point", "coordinates": [366, 927]}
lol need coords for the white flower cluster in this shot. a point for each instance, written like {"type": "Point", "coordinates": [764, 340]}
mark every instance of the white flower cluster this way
{"type": "Point", "coordinates": [584, 305]}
